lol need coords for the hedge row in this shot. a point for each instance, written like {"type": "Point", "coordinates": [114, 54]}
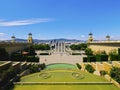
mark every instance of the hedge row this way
{"type": "Point", "coordinates": [44, 53]}
{"type": "Point", "coordinates": [76, 53]}
{"type": "Point", "coordinates": [95, 58]}
{"type": "Point", "coordinates": [114, 57]}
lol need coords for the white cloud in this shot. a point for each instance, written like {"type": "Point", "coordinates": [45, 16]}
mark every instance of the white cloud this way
{"type": "Point", "coordinates": [82, 36]}
{"type": "Point", "coordinates": [24, 22]}
{"type": "Point", "coordinates": [2, 34]}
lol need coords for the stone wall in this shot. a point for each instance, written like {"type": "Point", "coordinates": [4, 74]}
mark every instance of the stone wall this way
{"type": "Point", "coordinates": [107, 46]}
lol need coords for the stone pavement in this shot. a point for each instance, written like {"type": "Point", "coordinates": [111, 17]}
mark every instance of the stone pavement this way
{"type": "Point", "coordinates": [61, 58]}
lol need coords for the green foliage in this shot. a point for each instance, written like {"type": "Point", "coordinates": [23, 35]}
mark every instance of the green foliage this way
{"type": "Point", "coordinates": [32, 59]}
{"type": "Point", "coordinates": [118, 51]}
{"type": "Point", "coordinates": [31, 51]}
{"type": "Point", "coordinates": [85, 59]}
{"type": "Point", "coordinates": [17, 57]}
{"type": "Point", "coordinates": [76, 54]}
{"type": "Point", "coordinates": [91, 58]}
{"type": "Point", "coordinates": [36, 67]}
{"type": "Point", "coordinates": [78, 65]}
{"type": "Point", "coordinates": [44, 53]}
{"type": "Point", "coordinates": [103, 72]}
{"type": "Point", "coordinates": [88, 51]}
{"type": "Point", "coordinates": [82, 46]}
{"type": "Point", "coordinates": [89, 68]}
{"type": "Point", "coordinates": [115, 74]}
{"type": "Point", "coordinates": [101, 57]}
{"type": "Point", "coordinates": [41, 47]}
{"type": "Point", "coordinates": [113, 55]}
{"type": "Point", "coordinates": [4, 56]}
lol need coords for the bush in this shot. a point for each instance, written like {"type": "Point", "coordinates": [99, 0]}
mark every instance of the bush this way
{"type": "Point", "coordinates": [32, 59]}
{"type": "Point", "coordinates": [85, 59]}
{"type": "Point", "coordinates": [44, 53]}
{"type": "Point", "coordinates": [76, 53]}
{"type": "Point", "coordinates": [36, 67]}
{"type": "Point", "coordinates": [88, 51]}
{"type": "Point", "coordinates": [4, 56]}
{"type": "Point", "coordinates": [89, 68]}
{"type": "Point", "coordinates": [17, 57]}
{"type": "Point", "coordinates": [91, 58]}
{"type": "Point", "coordinates": [115, 74]}
{"type": "Point", "coordinates": [103, 72]}
{"type": "Point", "coordinates": [118, 51]}
{"type": "Point", "coordinates": [78, 65]}
{"type": "Point", "coordinates": [113, 57]}
{"type": "Point", "coordinates": [81, 46]}
{"type": "Point", "coordinates": [41, 47]}
{"type": "Point", "coordinates": [101, 57]}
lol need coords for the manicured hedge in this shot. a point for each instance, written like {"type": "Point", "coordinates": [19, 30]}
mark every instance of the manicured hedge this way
{"type": "Point", "coordinates": [32, 59]}
{"type": "Point", "coordinates": [91, 58]}
{"type": "Point", "coordinates": [78, 65]}
{"type": "Point", "coordinates": [101, 57]}
{"type": "Point", "coordinates": [76, 53]}
{"type": "Point", "coordinates": [44, 53]}
{"type": "Point", "coordinates": [118, 51]}
{"type": "Point", "coordinates": [89, 68]}
{"type": "Point", "coordinates": [85, 59]}
{"type": "Point", "coordinates": [113, 57]}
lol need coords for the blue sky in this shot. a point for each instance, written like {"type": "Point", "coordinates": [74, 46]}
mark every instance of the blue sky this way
{"type": "Point", "coordinates": [47, 19]}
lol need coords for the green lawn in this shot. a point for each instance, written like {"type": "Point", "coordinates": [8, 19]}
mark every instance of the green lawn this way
{"type": "Point", "coordinates": [63, 75]}
{"type": "Point", "coordinates": [61, 66]}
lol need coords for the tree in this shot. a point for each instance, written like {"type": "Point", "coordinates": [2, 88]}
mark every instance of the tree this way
{"type": "Point", "coordinates": [4, 54]}
{"type": "Point", "coordinates": [88, 51]}
{"type": "Point", "coordinates": [31, 51]}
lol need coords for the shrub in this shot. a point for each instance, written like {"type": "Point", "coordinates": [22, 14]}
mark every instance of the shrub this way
{"type": "Point", "coordinates": [115, 74]}
{"type": "Point", "coordinates": [4, 56]}
{"type": "Point", "coordinates": [91, 58]}
{"type": "Point", "coordinates": [113, 57]}
{"type": "Point", "coordinates": [89, 68]}
{"type": "Point", "coordinates": [76, 54]}
{"type": "Point", "coordinates": [78, 65]}
{"type": "Point", "coordinates": [101, 57]}
{"type": "Point", "coordinates": [88, 51]}
{"type": "Point", "coordinates": [103, 72]}
{"type": "Point", "coordinates": [44, 53]}
{"type": "Point", "coordinates": [17, 57]}
{"type": "Point", "coordinates": [85, 59]}
{"type": "Point", "coordinates": [32, 59]}
{"type": "Point", "coordinates": [118, 51]}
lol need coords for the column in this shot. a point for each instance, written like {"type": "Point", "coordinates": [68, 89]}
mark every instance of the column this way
{"type": "Point", "coordinates": [64, 47]}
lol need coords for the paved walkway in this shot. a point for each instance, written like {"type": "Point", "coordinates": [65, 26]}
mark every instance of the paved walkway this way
{"type": "Point", "coordinates": [61, 58]}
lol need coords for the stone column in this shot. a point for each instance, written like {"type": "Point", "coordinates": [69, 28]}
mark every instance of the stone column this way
{"type": "Point", "coordinates": [64, 46]}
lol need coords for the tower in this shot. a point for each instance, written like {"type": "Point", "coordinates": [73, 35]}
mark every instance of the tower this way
{"type": "Point", "coordinates": [30, 40]}
{"type": "Point", "coordinates": [90, 39]}
{"type": "Point", "coordinates": [108, 38]}
{"type": "Point", "coordinates": [13, 39]}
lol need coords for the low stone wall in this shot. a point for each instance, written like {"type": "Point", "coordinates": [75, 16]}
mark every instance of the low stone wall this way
{"type": "Point", "coordinates": [62, 83]}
